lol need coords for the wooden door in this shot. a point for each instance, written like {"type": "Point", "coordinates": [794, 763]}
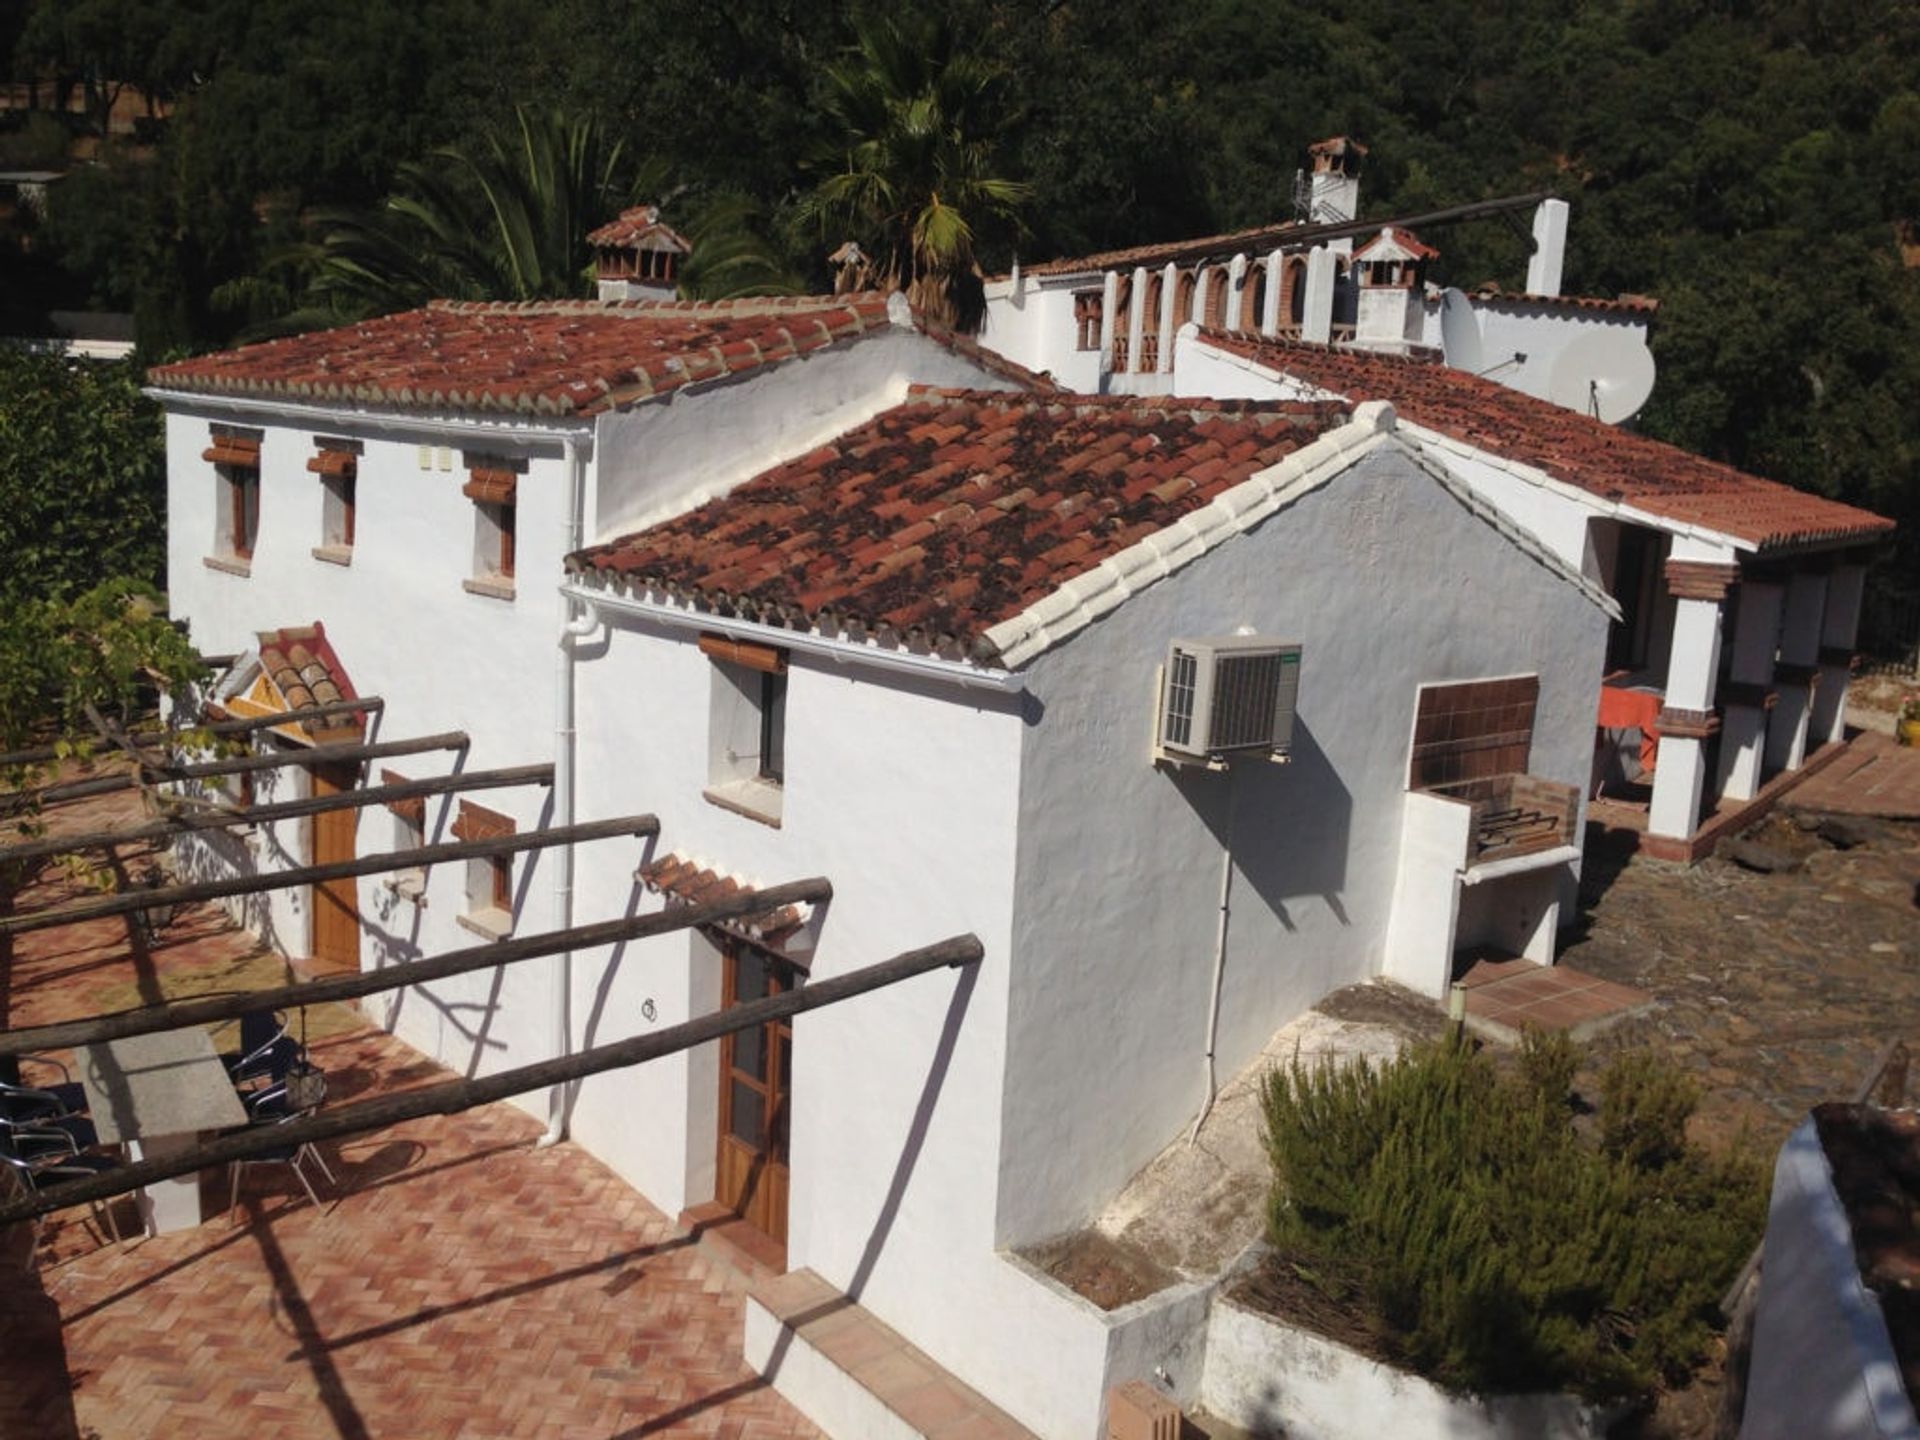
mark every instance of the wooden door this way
{"type": "Point", "coordinates": [755, 1095]}
{"type": "Point", "coordinates": [336, 903]}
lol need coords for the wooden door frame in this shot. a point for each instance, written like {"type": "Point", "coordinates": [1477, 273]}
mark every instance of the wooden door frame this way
{"type": "Point", "coordinates": [769, 1177]}
{"type": "Point", "coordinates": [338, 779]}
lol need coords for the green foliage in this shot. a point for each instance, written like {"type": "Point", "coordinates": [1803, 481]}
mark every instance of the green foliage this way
{"type": "Point", "coordinates": [1501, 1248]}
{"type": "Point", "coordinates": [911, 175]}
{"type": "Point", "coordinates": [106, 648]}
{"type": "Point", "coordinates": [82, 477]}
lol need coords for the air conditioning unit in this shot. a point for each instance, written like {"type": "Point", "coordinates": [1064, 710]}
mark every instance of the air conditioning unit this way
{"type": "Point", "coordinates": [1225, 698]}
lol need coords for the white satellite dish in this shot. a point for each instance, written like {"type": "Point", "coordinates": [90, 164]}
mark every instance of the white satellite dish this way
{"type": "Point", "coordinates": [1460, 332]}
{"type": "Point", "coordinates": [1607, 374]}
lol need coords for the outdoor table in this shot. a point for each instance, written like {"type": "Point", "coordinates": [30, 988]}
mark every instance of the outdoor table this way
{"type": "Point", "coordinates": [1627, 703]}
{"type": "Point", "coordinates": [159, 1093]}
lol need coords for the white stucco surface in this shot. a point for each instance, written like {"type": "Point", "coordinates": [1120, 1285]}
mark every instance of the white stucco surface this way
{"type": "Point", "coordinates": [1388, 582]}
{"type": "Point", "coordinates": [1273, 1379]}
{"type": "Point", "coordinates": [1823, 1366]}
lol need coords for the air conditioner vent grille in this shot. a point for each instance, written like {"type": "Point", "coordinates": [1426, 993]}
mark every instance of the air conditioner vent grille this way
{"type": "Point", "coordinates": [1223, 697]}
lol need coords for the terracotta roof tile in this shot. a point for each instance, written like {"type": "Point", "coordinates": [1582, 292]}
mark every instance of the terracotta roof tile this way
{"type": "Point", "coordinates": [638, 227]}
{"type": "Point", "coordinates": [1604, 460]}
{"type": "Point", "coordinates": [688, 882]}
{"type": "Point", "coordinates": [301, 662]}
{"type": "Point", "coordinates": [1632, 304]}
{"type": "Point", "coordinates": [555, 357]}
{"type": "Point", "coordinates": [958, 509]}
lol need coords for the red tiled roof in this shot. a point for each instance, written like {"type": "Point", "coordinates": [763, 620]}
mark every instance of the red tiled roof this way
{"type": "Point", "coordinates": [301, 663]}
{"type": "Point", "coordinates": [686, 882]}
{"type": "Point", "coordinates": [549, 357]}
{"type": "Point", "coordinates": [638, 228]}
{"type": "Point", "coordinates": [958, 509]}
{"type": "Point", "coordinates": [1397, 237]}
{"type": "Point", "coordinates": [1603, 460]}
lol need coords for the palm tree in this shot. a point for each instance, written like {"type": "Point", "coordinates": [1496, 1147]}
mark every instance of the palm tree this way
{"type": "Point", "coordinates": [506, 220]}
{"type": "Point", "coordinates": [912, 179]}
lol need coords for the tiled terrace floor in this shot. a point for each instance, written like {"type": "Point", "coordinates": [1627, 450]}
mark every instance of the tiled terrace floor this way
{"type": "Point", "coordinates": [1507, 996]}
{"type": "Point", "coordinates": [461, 1285]}
{"type": "Point", "coordinates": [1875, 777]}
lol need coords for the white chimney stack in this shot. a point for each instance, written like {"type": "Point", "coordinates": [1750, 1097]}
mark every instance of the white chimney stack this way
{"type": "Point", "coordinates": [1549, 248]}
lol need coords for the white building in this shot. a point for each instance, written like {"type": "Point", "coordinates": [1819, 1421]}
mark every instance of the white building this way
{"type": "Point", "coordinates": [1739, 597]}
{"type": "Point", "coordinates": [1106, 323]}
{"type": "Point", "coordinates": [830, 595]}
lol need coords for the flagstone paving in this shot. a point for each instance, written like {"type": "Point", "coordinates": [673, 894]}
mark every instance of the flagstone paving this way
{"type": "Point", "coordinates": [458, 1282]}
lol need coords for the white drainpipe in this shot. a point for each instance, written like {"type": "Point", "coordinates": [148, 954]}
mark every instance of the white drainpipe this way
{"type": "Point", "coordinates": [572, 628]}
{"type": "Point", "coordinates": [1219, 963]}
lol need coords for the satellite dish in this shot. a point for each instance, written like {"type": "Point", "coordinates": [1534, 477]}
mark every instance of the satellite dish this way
{"type": "Point", "coordinates": [1460, 332]}
{"type": "Point", "coordinates": [1607, 374]}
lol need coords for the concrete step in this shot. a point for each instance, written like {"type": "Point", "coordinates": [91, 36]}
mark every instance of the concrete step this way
{"type": "Point", "coordinates": [854, 1377]}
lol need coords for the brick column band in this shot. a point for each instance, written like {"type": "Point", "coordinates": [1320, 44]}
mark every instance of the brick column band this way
{"type": "Point", "coordinates": [1701, 579]}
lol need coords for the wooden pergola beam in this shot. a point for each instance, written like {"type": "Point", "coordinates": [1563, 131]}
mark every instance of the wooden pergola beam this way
{"type": "Point", "coordinates": [173, 825]}
{"type": "Point", "coordinates": [372, 704]}
{"type": "Point", "coordinates": [213, 1009]}
{"type": "Point", "coordinates": [452, 1096]}
{"type": "Point", "coordinates": [242, 764]}
{"type": "Point", "coordinates": [130, 901]}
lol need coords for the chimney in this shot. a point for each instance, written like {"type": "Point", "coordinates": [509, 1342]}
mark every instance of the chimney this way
{"type": "Point", "coordinates": [636, 257]}
{"type": "Point", "coordinates": [1391, 270]}
{"type": "Point", "coordinates": [1333, 192]}
{"type": "Point", "coordinates": [1549, 248]}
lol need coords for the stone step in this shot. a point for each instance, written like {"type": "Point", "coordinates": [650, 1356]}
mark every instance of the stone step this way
{"type": "Point", "coordinates": [854, 1377]}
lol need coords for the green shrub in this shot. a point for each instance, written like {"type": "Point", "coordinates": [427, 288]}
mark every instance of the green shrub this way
{"type": "Point", "coordinates": [1499, 1248]}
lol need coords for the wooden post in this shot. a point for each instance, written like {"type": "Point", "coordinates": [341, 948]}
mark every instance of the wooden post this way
{"type": "Point", "coordinates": [452, 1096]}
{"type": "Point", "coordinates": [127, 903]}
{"type": "Point", "coordinates": [211, 1009]}
{"type": "Point", "coordinates": [241, 764]}
{"type": "Point", "coordinates": [172, 825]}
{"type": "Point", "coordinates": [372, 704]}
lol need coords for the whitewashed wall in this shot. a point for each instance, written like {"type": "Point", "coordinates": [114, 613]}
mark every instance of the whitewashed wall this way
{"type": "Point", "coordinates": [1388, 582]}
{"type": "Point", "coordinates": [1538, 332]}
{"type": "Point", "coordinates": [1032, 324]}
{"type": "Point", "coordinates": [443, 659]}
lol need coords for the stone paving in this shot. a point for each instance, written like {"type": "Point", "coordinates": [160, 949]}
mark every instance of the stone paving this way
{"type": "Point", "coordinates": [458, 1284]}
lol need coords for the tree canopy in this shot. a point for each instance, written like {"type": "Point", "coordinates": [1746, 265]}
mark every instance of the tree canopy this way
{"type": "Point", "coordinates": [1751, 163]}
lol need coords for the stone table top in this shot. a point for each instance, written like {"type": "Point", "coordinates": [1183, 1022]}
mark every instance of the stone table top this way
{"type": "Point", "coordinates": [167, 1083]}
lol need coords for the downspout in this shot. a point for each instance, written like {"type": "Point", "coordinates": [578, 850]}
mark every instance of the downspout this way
{"type": "Point", "coordinates": [573, 626]}
{"type": "Point", "coordinates": [1219, 963]}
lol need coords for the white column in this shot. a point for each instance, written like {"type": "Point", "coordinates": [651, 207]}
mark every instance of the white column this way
{"type": "Point", "coordinates": [1838, 628]}
{"type": "Point", "coordinates": [1756, 621]}
{"type": "Point", "coordinates": [1797, 671]}
{"type": "Point", "coordinates": [1679, 776]}
{"type": "Point", "coordinates": [1316, 324]}
{"type": "Point", "coordinates": [1109, 298]}
{"type": "Point", "coordinates": [1549, 247]}
{"type": "Point", "coordinates": [1236, 283]}
{"type": "Point", "coordinates": [1136, 316]}
{"type": "Point", "coordinates": [1169, 301]}
{"type": "Point", "coordinates": [1270, 307]}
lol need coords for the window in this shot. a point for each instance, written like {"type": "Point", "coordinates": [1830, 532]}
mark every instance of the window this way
{"type": "Point", "coordinates": [747, 736]}
{"type": "Point", "coordinates": [489, 909]}
{"type": "Point", "coordinates": [409, 833]}
{"type": "Point", "coordinates": [1086, 318]}
{"type": "Point", "coordinates": [235, 458]}
{"type": "Point", "coordinates": [493, 488]}
{"type": "Point", "coordinates": [337, 464]}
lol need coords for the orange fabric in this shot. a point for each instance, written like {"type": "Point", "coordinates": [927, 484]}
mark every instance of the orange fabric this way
{"type": "Point", "coordinates": [1624, 709]}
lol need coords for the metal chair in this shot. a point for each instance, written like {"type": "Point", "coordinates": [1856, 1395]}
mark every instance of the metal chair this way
{"type": "Point", "coordinates": [38, 1161]}
{"type": "Point", "coordinates": [20, 1101]}
{"type": "Point", "coordinates": [260, 1031]}
{"type": "Point", "coordinates": [267, 1109]}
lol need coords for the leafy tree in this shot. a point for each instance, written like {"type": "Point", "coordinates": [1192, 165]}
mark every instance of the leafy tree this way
{"type": "Point", "coordinates": [913, 178]}
{"type": "Point", "coordinates": [82, 478]}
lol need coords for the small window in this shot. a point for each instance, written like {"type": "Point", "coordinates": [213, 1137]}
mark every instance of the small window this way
{"type": "Point", "coordinates": [337, 465]}
{"type": "Point", "coordinates": [1086, 318]}
{"type": "Point", "coordinates": [409, 820]}
{"type": "Point", "coordinates": [489, 908]}
{"type": "Point", "coordinates": [747, 738]}
{"type": "Point", "coordinates": [236, 464]}
{"type": "Point", "coordinates": [494, 490]}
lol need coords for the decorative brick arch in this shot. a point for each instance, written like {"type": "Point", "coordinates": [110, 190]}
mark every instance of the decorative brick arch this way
{"type": "Point", "coordinates": [1150, 323]}
{"type": "Point", "coordinates": [1253, 298]}
{"type": "Point", "coordinates": [1215, 315]}
{"type": "Point", "coordinates": [1293, 291]}
{"type": "Point", "coordinates": [1184, 295]}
